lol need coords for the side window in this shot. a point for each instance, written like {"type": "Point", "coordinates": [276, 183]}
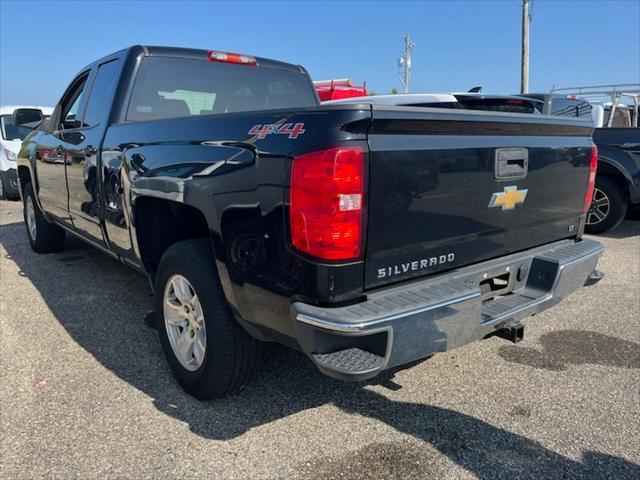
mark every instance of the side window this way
{"type": "Point", "coordinates": [101, 94]}
{"type": "Point", "coordinates": [71, 104]}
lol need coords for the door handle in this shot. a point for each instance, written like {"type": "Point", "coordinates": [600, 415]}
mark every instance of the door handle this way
{"type": "Point", "coordinates": [90, 150]}
{"type": "Point", "coordinates": [511, 163]}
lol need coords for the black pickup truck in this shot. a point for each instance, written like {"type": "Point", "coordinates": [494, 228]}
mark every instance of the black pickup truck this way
{"type": "Point", "coordinates": [366, 236]}
{"type": "Point", "coordinates": [617, 186]}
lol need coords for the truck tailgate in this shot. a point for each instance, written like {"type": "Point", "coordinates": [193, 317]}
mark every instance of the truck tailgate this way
{"type": "Point", "coordinates": [448, 188]}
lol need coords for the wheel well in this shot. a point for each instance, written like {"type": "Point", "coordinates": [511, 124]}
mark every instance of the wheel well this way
{"type": "Point", "coordinates": [232, 218]}
{"type": "Point", "coordinates": [160, 223]}
{"type": "Point", "coordinates": [605, 168]}
{"type": "Point", "coordinates": [612, 173]}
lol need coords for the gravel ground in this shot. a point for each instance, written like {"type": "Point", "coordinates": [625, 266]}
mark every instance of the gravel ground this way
{"type": "Point", "coordinates": [85, 392]}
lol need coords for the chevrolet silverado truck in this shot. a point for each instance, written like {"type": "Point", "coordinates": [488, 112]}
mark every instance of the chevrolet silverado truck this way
{"type": "Point", "coordinates": [258, 213]}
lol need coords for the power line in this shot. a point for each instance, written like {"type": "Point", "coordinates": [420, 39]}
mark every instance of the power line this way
{"type": "Point", "coordinates": [613, 49]}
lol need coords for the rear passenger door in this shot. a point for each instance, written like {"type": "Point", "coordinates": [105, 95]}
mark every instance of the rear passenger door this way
{"type": "Point", "coordinates": [84, 176]}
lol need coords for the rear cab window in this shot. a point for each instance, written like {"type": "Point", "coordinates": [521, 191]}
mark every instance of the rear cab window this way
{"type": "Point", "coordinates": [569, 107]}
{"type": "Point", "coordinates": [168, 87]}
{"type": "Point", "coordinates": [493, 104]}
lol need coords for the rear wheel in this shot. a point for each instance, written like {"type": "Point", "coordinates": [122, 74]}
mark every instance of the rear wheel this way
{"type": "Point", "coordinates": [44, 237]}
{"type": "Point", "coordinates": [208, 352]}
{"type": "Point", "coordinates": [608, 207]}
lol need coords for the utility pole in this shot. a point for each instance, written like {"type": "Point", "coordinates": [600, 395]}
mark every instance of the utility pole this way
{"type": "Point", "coordinates": [405, 62]}
{"type": "Point", "coordinates": [526, 20]}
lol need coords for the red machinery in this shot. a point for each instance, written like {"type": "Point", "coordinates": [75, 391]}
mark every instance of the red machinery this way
{"type": "Point", "coordinates": [339, 88]}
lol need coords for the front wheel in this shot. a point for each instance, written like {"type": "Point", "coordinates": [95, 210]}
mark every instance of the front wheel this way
{"type": "Point", "coordinates": [208, 352]}
{"type": "Point", "coordinates": [44, 237]}
{"type": "Point", "coordinates": [608, 207]}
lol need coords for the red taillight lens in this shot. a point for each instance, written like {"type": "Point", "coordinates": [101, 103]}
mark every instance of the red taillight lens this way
{"type": "Point", "coordinates": [227, 57]}
{"type": "Point", "coordinates": [326, 203]}
{"type": "Point", "coordinates": [593, 166]}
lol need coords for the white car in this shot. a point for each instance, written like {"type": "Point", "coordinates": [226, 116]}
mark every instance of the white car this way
{"type": "Point", "coordinates": [401, 99]}
{"type": "Point", "coordinates": [10, 139]}
{"type": "Point", "coordinates": [462, 100]}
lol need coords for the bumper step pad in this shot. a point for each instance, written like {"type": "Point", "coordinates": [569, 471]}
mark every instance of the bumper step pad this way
{"type": "Point", "coordinates": [351, 361]}
{"type": "Point", "coordinates": [500, 308]}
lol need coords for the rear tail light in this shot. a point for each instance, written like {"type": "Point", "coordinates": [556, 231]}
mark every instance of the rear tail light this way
{"type": "Point", "coordinates": [326, 203]}
{"type": "Point", "coordinates": [593, 166]}
{"type": "Point", "coordinates": [227, 57]}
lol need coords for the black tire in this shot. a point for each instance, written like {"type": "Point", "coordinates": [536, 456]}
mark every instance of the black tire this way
{"type": "Point", "coordinates": [607, 189]}
{"type": "Point", "coordinates": [230, 352]}
{"type": "Point", "coordinates": [48, 237]}
{"type": "Point", "coordinates": [2, 190]}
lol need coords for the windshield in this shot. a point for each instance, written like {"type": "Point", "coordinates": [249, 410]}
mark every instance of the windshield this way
{"type": "Point", "coordinates": [10, 131]}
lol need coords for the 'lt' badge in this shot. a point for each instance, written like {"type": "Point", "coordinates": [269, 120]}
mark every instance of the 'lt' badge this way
{"type": "Point", "coordinates": [509, 198]}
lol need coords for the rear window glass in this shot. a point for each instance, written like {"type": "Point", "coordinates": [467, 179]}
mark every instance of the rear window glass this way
{"type": "Point", "coordinates": [569, 107]}
{"type": "Point", "coordinates": [177, 87]}
{"type": "Point", "coordinates": [513, 105]}
{"type": "Point", "coordinates": [436, 105]}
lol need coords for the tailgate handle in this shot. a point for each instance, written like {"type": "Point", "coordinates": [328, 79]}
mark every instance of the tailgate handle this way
{"type": "Point", "coordinates": [511, 163]}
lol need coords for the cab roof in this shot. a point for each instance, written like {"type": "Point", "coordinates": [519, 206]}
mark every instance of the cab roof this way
{"type": "Point", "coordinates": [194, 54]}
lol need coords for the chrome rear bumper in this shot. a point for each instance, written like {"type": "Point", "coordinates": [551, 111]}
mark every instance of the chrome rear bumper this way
{"type": "Point", "coordinates": [401, 324]}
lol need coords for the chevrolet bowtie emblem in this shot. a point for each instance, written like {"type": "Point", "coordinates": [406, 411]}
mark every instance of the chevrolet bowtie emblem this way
{"type": "Point", "coordinates": [509, 198]}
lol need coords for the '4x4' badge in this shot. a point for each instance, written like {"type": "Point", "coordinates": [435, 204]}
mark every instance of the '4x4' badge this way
{"type": "Point", "coordinates": [292, 130]}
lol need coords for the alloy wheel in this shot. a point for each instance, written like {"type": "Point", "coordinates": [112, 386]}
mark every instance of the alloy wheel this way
{"type": "Point", "coordinates": [184, 322]}
{"type": "Point", "coordinates": [31, 219]}
{"type": "Point", "coordinates": [600, 207]}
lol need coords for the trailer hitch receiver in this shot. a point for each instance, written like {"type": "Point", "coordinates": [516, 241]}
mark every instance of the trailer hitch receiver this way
{"type": "Point", "coordinates": [514, 333]}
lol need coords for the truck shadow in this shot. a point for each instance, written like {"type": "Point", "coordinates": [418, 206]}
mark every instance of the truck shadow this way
{"type": "Point", "coordinates": [628, 228]}
{"type": "Point", "coordinates": [102, 304]}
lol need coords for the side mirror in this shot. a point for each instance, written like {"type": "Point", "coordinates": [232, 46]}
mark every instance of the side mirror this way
{"type": "Point", "coordinates": [27, 117]}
